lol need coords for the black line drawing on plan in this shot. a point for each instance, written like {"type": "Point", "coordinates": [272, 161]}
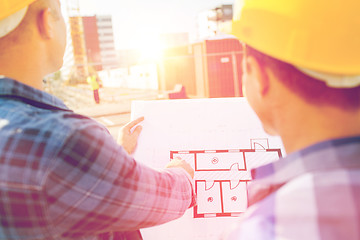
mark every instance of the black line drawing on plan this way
{"type": "Point", "coordinates": [221, 176]}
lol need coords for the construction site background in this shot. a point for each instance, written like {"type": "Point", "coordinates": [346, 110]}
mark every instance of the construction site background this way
{"type": "Point", "coordinates": [79, 97]}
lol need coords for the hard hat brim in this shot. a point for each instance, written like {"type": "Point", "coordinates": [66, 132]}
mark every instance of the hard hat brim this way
{"type": "Point", "coordinates": [9, 23]}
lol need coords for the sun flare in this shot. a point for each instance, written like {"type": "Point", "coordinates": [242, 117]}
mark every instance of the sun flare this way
{"type": "Point", "coordinates": [150, 47]}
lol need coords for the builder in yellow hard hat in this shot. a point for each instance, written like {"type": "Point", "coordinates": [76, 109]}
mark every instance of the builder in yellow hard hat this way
{"type": "Point", "coordinates": [302, 78]}
{"type": "Point", "coordinates": [62, 175]}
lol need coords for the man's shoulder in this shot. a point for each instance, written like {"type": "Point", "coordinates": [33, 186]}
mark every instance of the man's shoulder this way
{"type": "Point", "coordinates": [317, 189]}
{"type": "Point", "coordinates": [313, 204]}
{"type": "Point", "coordinates": [53, 124]}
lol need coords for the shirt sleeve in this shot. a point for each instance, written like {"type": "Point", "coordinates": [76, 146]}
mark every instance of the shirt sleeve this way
{"type": "Point", "coordinates": [95, 186]}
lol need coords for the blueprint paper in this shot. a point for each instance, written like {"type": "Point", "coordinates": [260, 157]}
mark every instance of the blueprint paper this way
{"type": "Point", "coordinates": [222, 139]}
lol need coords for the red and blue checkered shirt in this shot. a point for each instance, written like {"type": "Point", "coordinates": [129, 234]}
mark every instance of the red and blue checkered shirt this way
{"type": "Point", "coordinates": [312, 194]}
{"type": "Point", "coordinates": [62, 175]}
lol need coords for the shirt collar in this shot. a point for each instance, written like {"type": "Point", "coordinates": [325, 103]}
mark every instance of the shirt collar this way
{"type": "Point", "coordinates": [14, 89]}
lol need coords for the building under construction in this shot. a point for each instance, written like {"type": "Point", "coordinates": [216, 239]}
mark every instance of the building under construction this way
{"type": "Point", "coordinates": [92, 43]}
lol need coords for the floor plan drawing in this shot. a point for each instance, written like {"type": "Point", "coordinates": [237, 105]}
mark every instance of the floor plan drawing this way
{"type": "Point", "coordinates": [221, 176]}
{"type": "Point", "coordinates": [222, 139]}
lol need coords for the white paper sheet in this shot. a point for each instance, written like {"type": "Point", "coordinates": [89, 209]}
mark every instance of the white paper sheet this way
{"type": "Point", "coordinates": [222, 139]}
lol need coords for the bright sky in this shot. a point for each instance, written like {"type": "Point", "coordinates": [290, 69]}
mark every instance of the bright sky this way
{"type": "Point", "coordinates": [137, 20]}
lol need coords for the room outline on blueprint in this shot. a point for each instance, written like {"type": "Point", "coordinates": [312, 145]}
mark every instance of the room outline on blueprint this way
{"type": "Point", "coordinates": [221, 176]}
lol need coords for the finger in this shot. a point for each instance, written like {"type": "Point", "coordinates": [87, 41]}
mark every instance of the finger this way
{"type": "Point", "coordinates": [137, 131]}
{"type": "Point", "coordinates": [131, 124]}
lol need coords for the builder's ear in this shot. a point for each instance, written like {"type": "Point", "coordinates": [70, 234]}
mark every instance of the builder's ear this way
{"type": "Point", "coordinates": [259, 74]}
{"type": "Point", "coordinates": [46, 24]}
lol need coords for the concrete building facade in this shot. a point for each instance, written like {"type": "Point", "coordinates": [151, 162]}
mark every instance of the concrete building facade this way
{"type": "Point", "coordinates": [106, 42]}
{"type": "Point", "coordinates": [99, 41]}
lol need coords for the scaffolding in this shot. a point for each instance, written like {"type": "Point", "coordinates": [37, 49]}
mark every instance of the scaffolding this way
{"type": "Point", "coordinates": [80, 70]}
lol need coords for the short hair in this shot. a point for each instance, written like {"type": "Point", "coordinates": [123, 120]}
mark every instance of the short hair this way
{"type": "Point", "coordinates": [310, 89]}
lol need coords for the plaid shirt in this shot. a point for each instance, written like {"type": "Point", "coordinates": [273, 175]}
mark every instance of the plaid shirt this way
{"type": "Point", "coordinates": [62, 175]}
{"type": "Point", "coordinates": [311, 194]}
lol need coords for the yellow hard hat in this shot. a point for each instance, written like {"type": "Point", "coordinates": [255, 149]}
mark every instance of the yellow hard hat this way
{"type": "Point", "coordinates": [319, 35]}
{"type": "Point", "coordinates": [11, 14]}
{"type": "Point", "coordinates": [8, 7]}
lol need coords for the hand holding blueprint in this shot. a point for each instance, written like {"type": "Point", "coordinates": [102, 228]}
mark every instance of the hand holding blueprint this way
{"type": "Point", "coordinates": [222, 139]}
